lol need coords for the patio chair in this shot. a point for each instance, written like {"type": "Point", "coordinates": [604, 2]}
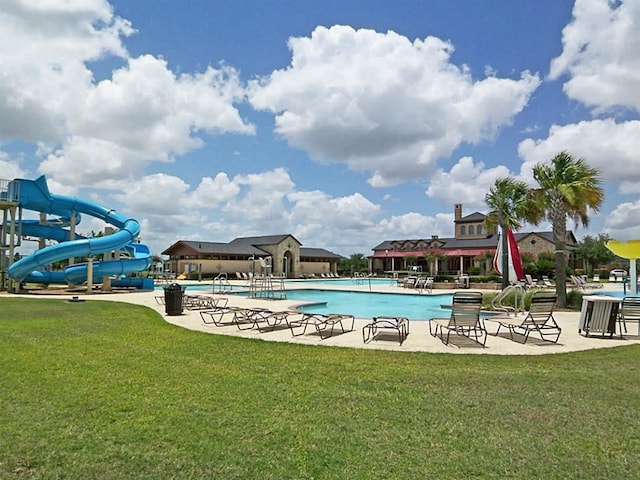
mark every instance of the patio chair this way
{"type": "Point", "coordinates": [224, 316]}
{"type": "Point", "coordinates": [629, 312]}
{"type": "Point", "coordinates": [409, 282]}
{"type": "Point", "coordinates": [322, 323]}
{"type": "Point", "coordinates": [464, 320]}
{"type": "Point", "coordinates": [538, 319]}
{"type": "Point", "coordinates": [381, 324]}
{"type": "Point", "coordinates": [268, 322]}
{"type": "Point", "coordinates": [202, 302]}
{"type": "Point", "coordinates": [427, 285]}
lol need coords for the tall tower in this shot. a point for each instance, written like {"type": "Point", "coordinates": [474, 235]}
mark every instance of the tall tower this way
{"type": "Point", "coordinates": [457, 213]}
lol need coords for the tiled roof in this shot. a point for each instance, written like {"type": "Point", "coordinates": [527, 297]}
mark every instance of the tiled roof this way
{"type": "Point", "coordinates": [249, 246]}
{"type": "Point", "coordinates": [318, 253]}
{"type": "Point", "coordinates": [473, 217]}
{"type": "Point", "coordinates": [262, 240]}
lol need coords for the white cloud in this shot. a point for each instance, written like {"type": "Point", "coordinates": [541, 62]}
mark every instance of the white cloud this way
{"type": "Point", "coordinates": [9, 167]}
{"type": "Point", "coordinates": [605, 144]}
{"type": "Point", "coordinates": [467, 183]}
{"type": "Point", "coordinates": [98, 134]}
{"type": "Point", "coordinates": [601, 54]}
{"type": "Point", "coordinates": [216, 191]}
{"type": "Point", "coordinates": [261, 200]}
{"type": "Point", "coordinates": [408, 225]}
{"type": "Point", "coordinates": [622, 223]}
{"type": "Point", "coordinates": [383, 104]}
{"type": "Point", "coordinates": [42, 62]}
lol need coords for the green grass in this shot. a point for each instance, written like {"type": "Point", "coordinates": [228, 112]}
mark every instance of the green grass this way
{"type": "Point", "coordinates": [104, 390]}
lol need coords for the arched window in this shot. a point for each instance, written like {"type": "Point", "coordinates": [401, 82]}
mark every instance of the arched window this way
{"type": "Point", "coordinates": [479, 229]}
{"type": "Point", "coordinates": [471, 231]}
{"type": "Point", "coordinates": [463, 230]}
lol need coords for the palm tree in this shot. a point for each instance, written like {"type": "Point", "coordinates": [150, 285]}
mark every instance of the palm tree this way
{"type": "Point", "coordinates": [568, 187]}
{"type": "Point", "coordinates": [508, 201]}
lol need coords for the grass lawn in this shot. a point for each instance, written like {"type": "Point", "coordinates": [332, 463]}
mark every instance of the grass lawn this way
{"type": "Point", "coordinates": [103, 390]}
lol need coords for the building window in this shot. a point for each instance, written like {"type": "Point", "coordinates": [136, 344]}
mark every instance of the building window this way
{"type": "Point", "coordinates": [471, 231]}
{"type": "Point", "coordinates": [463, 230]}
{"type": "Point", "coordinates": [479, 230]}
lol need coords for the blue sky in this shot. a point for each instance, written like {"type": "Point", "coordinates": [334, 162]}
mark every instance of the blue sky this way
{"type": "Point", "coordinates": [344, 123]}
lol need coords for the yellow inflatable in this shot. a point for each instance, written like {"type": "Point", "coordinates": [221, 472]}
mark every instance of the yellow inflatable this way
{"type": "Point", "coordinates": [629, 250]}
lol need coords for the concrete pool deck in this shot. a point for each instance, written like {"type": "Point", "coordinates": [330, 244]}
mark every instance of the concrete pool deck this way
{"type": "Point", "coordinates": [418, 340]}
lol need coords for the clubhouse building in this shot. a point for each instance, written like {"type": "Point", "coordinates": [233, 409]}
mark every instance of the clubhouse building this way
{"type": "Point", "coordinates": [283, 255]}
{"type": "Point", "coordinates": [472, 246]}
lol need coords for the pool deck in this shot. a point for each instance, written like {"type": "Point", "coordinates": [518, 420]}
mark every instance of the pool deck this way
{"type": "Point", "coordinates": [418, 340]}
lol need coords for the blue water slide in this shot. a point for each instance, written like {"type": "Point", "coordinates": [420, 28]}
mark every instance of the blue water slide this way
{"type": "Point", "coordinates": [34, 195]}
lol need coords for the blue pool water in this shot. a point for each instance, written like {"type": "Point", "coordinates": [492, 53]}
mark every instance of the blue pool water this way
{"type": "Point", "coordinates": [614, 293]}
{"type": "Point", "coordinates": [344, 281]}
{"type": "Point", "coordinates": [364, 304]}
{"type": "Point", "coordinates": [369, 305]}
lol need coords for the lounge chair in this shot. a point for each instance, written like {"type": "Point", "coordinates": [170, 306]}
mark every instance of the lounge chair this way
{"type": "Point", "coordinates": [538, 319]}
{"type": "Point", "coordinates": [273, 320]}
{"type": "Point", "coordinates": [243, 318]}
{"type": "Point", "coordinates": [321, 323]}
{"type": "Point", "coordinates": [464, 320]}
{"type": "Point", "coordinates": [202, 302]}
{"type": "Point", "coordinates": [580, 283]}
{"type": "Point", "coordinates": [629, 312]}
{"type": "Point", "coordinates": [381, 324]}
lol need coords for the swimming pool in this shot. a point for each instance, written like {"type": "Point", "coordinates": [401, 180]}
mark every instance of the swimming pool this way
{"type": "Point", "coordinates": [363, 304]}
{"type": "Point", "coordinates": [614, 293]}
{"type": "Point", "coordinates": [344, 281]}
{"type": "Point", "coordinates": [369, 305]}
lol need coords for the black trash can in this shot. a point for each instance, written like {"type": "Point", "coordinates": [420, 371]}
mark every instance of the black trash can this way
{"type": "Point", "coordinates": [173, 299]}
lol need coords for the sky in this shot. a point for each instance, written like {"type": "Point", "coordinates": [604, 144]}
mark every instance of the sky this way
{"type": "Point", "coordinates": [342, 122]}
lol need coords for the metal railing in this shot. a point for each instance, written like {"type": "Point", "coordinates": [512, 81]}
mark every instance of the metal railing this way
{"type": "Point", "coordinates": [9, 190]}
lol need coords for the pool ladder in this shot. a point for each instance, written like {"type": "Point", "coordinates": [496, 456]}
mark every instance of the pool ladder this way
{"type": "Point", "coordinates": [518, 291]}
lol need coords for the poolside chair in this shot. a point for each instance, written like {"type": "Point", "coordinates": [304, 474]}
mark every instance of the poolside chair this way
{"type": "Point", "coordinates": [202, 302]}
{"type": "Point", "coordinates": [580, 283]}
{"type": "Point", "coordinates": [427, 285]}
{"type": "Point", "coordinates": [629, 312]}
{"type": "Point", "coordinates": [381, 324]}
{"type": "Point", "coordinates": [464, 320]}
{"type": "Point", "coordinates": [409, 282]}
{"type": "Point", "coordinates": [273, 320]}
{"type": "Point", "coordinates": [538, 319]}
{"type": "Point", "coordinates": [530, 282]}
{"type": "Point", "coordinates": [321, 323]}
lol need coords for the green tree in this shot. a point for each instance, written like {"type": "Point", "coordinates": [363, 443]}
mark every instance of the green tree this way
{"type": "Point", "coordinates": [567, 187]}
{"type": "Point", "coordinates": [433, 259]}
{"type": "Point", "coordinates": [357, 262]}
{"type": "Point", "coordinates": [507, 200]}
{"type": "Point", "coordinates": [593, 252]}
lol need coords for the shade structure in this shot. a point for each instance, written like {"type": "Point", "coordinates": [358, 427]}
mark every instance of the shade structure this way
{"type": "Point", "coordinates": [516, 272]}
{"type": "Point", "coordinates": [631, 251]}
